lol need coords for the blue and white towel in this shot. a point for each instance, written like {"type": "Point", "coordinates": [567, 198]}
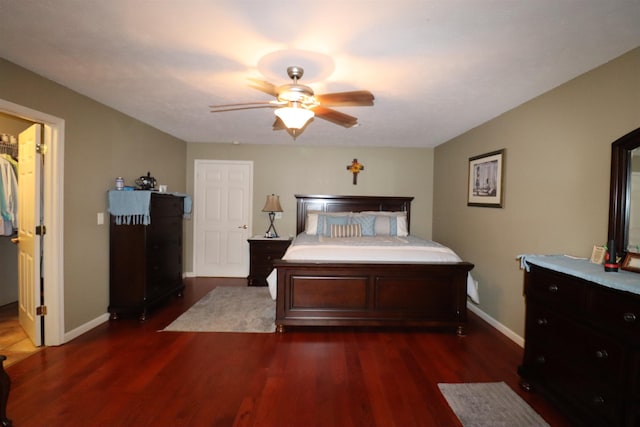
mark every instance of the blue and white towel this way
{"type": "Point", "coordinates": [130, 207]}
{"type": "Point", "coordinates": [133, 207]}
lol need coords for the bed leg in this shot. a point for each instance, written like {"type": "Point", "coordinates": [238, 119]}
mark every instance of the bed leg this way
{"type": "Point", "coordinates": [280, 329]}
{"type": "Point", "coordinates": [461, 332]}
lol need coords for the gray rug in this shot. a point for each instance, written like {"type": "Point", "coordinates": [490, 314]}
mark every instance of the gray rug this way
{"type": "Point", "coordinates": [229, 309]}
{"type": "Point", "coordinates": [489, 404]}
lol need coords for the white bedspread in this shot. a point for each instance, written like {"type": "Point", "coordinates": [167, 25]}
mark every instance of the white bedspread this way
{"type": "Point", "coordinates": [378, 248]}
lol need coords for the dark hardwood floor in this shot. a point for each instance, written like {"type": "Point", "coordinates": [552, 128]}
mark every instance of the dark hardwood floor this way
{"type": "Point", "coordinates": [126, 373]}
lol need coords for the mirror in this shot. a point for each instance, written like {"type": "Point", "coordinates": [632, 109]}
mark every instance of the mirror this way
{"type": "Point", "coordinates": [622, 228]}
{"type": "Point", "coordinates": [633, 229]}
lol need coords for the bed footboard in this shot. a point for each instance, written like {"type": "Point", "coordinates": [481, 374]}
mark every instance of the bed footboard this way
{"type": "Point", "coordinates": [372, 294]}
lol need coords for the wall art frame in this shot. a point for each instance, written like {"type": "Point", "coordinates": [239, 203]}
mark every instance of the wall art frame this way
{"type": "Point", "coordinates": [631, 262]}
{"type": "Point", "coordinates": [486, 180]}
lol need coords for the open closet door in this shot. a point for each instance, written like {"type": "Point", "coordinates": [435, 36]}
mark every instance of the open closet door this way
{"type": "Point", "coordinates": [29, 242]}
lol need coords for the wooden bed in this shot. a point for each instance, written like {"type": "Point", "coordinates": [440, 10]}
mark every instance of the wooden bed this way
{"type": "Point", "coordinates": [321, 293]}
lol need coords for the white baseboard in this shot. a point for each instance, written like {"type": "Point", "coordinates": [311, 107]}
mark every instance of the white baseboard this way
{"type": "Point", "coordinates": [75, 333]}
{"type": "Point", "coordinates": [188, 274]}
{"type": "Point", "coordinates": [68, 336]}
{"type": "Point", "coordinates": [499, 326]}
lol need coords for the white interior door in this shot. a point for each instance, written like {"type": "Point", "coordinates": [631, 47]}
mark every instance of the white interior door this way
{"type": "Point", "coordinates": [29, 211]}
{"type": "Point", "coordinates": [222, 218]}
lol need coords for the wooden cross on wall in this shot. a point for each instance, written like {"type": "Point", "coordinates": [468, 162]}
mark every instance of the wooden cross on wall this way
{"type": "Point", "coordinates": [355, 169]}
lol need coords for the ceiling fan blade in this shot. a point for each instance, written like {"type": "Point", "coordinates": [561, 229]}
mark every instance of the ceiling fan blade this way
{"type": "Point", "coordinates": [334, 116]}
{"type": "Point", "coordinates": [361, 98]}
{"type": "Point", "coordinates": [240, 104]}
{"type": "Point", "coordinates": [246, 106]}
{"type": "Point", "coordinates": [235, 107]}
{"type": "Point", "coordinates": [264, 86]}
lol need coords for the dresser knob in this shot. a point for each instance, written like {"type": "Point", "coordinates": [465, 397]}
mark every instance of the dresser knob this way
{"type": "Point", "coordinates": [553, 288]}
{"type": "Point", "coordinates": [541, 360]}
{"type": "Point", "coordinates": [542, 322]}
{"type": "Point", "coordinates": [629, 317]}
{"type": "Point", "coordinates": [602, 354]}
{"type": "Point", "coordinates": [598, 400]}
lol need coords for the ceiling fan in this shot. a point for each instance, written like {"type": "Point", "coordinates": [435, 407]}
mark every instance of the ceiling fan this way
{"type": "Point", "coordinates": [296, 104]}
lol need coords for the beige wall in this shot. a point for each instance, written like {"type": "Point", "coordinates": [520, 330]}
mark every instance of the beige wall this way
{"type": "Point", "coordinates": [100, 144]}
{"type": "Point", "coordinates": [556, 181]}
{"type": "Point", "coordinates": [299, 169]}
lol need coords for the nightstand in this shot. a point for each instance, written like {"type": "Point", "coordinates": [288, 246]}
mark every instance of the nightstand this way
{"type": "Point", "coordinates": [262, 252]}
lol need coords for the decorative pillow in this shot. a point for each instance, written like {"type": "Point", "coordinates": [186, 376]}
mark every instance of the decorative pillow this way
{"type": "Point", "coordinates": [326, 220]}
{"type": "Point", "coordinates": [390, 223]}
{"type": "Point", "coordinates": [402, 229]}
{"type": "Point", "coordinates": [366, 222]}
{"type": "Point", "coordinates": [311, 225]}
{"type": "Point", "coordinates": [346, 230]}
{"type": "Point", "coordinates": [385, 225]}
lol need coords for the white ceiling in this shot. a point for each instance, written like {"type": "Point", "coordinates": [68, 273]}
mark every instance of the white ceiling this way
{"type": "Point", "coordinates": [436, 67]}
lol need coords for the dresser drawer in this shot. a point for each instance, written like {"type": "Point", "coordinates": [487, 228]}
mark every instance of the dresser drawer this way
{"type": "Point", "coordinates": [271, 249]}
{"type": "Point", "coordinates": [597, 356]}
{"type": "Point", "coordinates": [163, 205]}
{"type": "Point", "coordinates": [618, 312]}
{"type": "Point", "coordinates": [262, 254]}
{"type": "Point", "coordinates": [603, 403]}
{"type": "Point", "coordinates": [164, 231]}
{"type": "Point", "coordinates": [559, 290]}
{"type": "Point", "coordinates": [598, 401]}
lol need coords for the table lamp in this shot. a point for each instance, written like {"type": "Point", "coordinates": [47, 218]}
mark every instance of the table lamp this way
{"type": "Point", "coordinates": [272, 206]}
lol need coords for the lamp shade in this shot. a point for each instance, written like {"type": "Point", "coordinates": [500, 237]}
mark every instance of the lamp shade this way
{"type": "Point", "coordinates": [272, 204]}
{"type": "Point", "coordinates": [294, 117]}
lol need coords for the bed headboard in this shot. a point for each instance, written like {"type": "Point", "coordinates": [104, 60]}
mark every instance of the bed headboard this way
{"type": "Point", "coordinates": [349, 204]}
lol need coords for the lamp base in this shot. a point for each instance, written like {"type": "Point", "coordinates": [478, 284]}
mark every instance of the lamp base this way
{"type": "Point", "coordinates": [271, 231]}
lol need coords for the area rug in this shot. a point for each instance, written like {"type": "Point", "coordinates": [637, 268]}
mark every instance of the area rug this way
{"type": "Point", "coordinates": [229, 309]}
{"type": "Point", "coordinates": [489, 404]}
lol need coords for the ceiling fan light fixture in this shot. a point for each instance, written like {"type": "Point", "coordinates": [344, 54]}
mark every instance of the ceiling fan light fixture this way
{"type": "Point", "coordinates": [294, 117]}
{"type": "Point", "coordinates": [296, 104]}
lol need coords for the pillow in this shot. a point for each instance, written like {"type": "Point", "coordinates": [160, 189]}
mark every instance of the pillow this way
{"type": "Point", "coordinates": [325, 221]}
{"type": "Point", "coordinates": [385, 225]}
{"type": "Point", "coordinates": [403, 229]}
{"type": "Point", "coordinates": [346, 230]}
{"type": "Point", "coordinates": [311, 225]}
{"type": "Point", "coordinates": [390, 223]}
{"type": "Point", "coordinates": [366, 222]}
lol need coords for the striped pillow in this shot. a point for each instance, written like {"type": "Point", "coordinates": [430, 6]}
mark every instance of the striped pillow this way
{"type": "Point", "coordinates": [346, 230]}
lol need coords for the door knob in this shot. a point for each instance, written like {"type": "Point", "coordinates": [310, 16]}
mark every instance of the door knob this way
{"type": "Point", "coordinates": [15, 240]}
{"type": "Point", "coordinates": [243, 226]}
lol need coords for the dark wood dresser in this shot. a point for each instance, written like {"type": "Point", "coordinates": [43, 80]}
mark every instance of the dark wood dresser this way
{"type": "Point", "coordinates": [262, 252]}
{"type": "Point", "coordinates": [582, 340]}
{"type": "Point", "coordinates": [146, 260]}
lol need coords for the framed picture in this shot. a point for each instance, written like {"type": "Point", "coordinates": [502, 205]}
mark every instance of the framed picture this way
{"type": "Point", "coordinates": [631, 262]}
{"type": "Point", "coordinates": [486, 180]}
{"type": "Point", "coordinates": [597, 254]}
